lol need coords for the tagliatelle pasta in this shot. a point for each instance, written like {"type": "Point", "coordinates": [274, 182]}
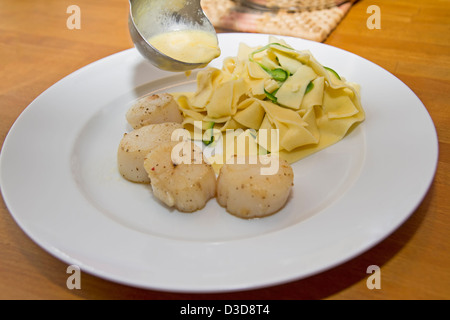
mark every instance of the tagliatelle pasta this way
{"type": "Point", "coordinates": [274, 87]}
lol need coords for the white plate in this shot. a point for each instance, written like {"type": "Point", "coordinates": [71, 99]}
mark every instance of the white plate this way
{"type": "Point", "coordinates": [60, 182]}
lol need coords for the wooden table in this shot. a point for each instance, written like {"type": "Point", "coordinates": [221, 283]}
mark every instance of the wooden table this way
{"type": "Point", "coordinates": [37, 49]}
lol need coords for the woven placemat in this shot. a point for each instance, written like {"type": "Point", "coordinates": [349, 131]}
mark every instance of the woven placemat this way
{"type": "Point", "coordinates": [307, 19]}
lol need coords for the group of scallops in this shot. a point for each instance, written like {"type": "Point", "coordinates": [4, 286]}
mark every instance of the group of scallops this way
{"type": "Point", "coordinates": [145, 156]}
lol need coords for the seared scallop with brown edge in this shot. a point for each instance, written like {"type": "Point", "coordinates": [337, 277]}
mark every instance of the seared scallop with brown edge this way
{"type": "Point", "coordinates": [254, 188]}
{"type": "Point", "coordinates": [135, 145]}
{"type": "Point", "coordinates": [179, 176]}
{"type": "Point", "coordinates": [154, 109]}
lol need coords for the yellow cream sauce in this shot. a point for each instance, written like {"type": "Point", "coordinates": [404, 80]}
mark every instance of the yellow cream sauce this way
{"type": "Point", "coordinates": [191, 46]}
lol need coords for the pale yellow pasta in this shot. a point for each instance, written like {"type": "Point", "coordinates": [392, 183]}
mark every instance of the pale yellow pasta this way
{"type": "Point", "coordinates": [293, 90]}
{"type": "Point", "coordinates": [274, 87]}
{"type": "Point", "coordinates": [315, 96]}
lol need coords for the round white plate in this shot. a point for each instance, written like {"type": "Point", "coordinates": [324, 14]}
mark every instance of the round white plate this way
{"type": "Point", "coordinates": [60, 182]}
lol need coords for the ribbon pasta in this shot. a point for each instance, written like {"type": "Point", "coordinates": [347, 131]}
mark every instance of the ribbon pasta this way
{"type": "Point", "coordinates": [275, 87]}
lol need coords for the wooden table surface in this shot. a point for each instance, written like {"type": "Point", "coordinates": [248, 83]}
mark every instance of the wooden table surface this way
{"type": "Point", "coordinates": [37, 49]}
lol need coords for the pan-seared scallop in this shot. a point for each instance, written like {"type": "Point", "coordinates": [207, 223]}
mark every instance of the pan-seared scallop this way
{"type": "Point", "coordinates": [179, 176]}
{"type": "Point", "coordinates": [135, 145]}
{"type": "Point", "coordinates": [154, 109]}
{"type": "Point", "coordinates": [254, 188]}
